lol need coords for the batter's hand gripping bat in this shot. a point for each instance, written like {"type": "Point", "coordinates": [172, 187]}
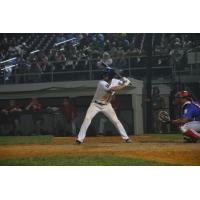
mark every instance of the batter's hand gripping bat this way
{"type": "Point", "coordinates": [116, 71]}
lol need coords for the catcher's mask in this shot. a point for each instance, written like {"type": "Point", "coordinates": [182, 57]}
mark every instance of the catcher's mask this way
{"type": "Point", "coordinates": [183, 95]}
{"type": "Point", "coordinates": [110, 73]}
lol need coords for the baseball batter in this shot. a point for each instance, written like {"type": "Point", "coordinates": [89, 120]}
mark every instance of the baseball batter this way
{"type": "Point", "coordinates": [189, 123]}
{"type": "Point", "coordinates": [101, 103]}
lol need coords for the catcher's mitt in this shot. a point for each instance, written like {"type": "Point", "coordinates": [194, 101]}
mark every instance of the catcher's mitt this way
{"type": "Point", "coordinates": [163, 116]}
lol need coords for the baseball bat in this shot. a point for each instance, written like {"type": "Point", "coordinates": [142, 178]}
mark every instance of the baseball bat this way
{"type": "Point", "coordinates": [116, 71]}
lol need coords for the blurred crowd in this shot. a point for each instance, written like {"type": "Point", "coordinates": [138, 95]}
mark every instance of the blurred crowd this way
{"type": "Point", "coordinates": [37, 54]}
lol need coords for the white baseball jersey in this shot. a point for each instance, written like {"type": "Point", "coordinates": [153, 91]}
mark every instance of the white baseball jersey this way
{"type": "Point", "coordinates": [102, 94]}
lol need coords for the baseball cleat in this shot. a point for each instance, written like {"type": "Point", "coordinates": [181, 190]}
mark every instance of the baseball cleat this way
{"type": "Point", "coordinates": [189, 140]}
{"type": "Point", "coordinates": [77, 142]}
{"type": "Point", "coordinates": [128, 140]}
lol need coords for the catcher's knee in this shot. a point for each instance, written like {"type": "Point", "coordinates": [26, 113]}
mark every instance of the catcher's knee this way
{"type": "Point", "coordinates": [188, 132]}
{"type": "Point", "coordinates": [184, 129]}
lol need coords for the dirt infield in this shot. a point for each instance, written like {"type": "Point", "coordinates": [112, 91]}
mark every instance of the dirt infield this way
{"type": "Point", "coordinates": [144, 147]}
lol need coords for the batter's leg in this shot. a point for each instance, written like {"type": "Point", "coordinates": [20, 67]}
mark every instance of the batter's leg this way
{"type": "Point", "coordinates": [110, 113]}
{"type": "Point", "coordinates": [91, 112]}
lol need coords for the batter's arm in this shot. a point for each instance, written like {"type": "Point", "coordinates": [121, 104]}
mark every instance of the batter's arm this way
{"type": "Point", "coordinates": [117, 88]}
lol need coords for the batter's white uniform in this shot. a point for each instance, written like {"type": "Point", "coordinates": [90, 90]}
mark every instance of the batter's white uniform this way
{"type": "Point", "coordinates": [101, 103]}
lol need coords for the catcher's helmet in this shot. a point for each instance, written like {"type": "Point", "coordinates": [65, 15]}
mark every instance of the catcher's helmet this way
{"type": "Point", "coordinates": [182, 94]}
{"type": "Point", "coordinates": [110, 73]}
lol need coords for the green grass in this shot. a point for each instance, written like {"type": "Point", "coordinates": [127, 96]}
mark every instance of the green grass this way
{"type": "Point", "coordinates": [47, 139]}
{"type": "Point", "coordinates": [80, 161]}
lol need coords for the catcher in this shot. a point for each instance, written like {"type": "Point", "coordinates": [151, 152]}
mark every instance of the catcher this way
{"type": "Point", "coordinates": [189, 123]}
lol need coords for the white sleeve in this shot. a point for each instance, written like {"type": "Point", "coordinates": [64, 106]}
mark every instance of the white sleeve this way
{"type": "Point", "coordinates": [104, 85]}
{"type": "Point", "coordinates": [120, 82]}
{"type": "Point", "coordinates": [117, 82]}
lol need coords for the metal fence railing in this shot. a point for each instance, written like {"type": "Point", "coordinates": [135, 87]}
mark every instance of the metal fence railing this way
{"type": "Point", "coordinates": [14, 71]}
{"type": "Point", "coordinates": [83, 69]}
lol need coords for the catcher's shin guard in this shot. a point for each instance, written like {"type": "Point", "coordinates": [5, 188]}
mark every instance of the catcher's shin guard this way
{"type": "Point", "coordinates": [189, 132]}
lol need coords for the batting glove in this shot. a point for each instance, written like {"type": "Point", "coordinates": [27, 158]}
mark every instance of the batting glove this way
{"type": "Point", "coordinates": [126, 81]}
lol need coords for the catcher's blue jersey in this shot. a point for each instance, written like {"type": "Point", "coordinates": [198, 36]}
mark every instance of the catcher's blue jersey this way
{"type": "Point", "coordinates": [191, 110]}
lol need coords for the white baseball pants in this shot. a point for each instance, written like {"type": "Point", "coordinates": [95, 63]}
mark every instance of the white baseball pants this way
{"type": "Point", "coordinates": [195, 125]}
{"type": "Point", "coordinates": [191, 129]}
{"type": "Point", "coordinates": [109, 112]}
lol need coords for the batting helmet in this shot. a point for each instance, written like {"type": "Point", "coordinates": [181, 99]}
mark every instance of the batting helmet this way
{"type": "Point", "coordinates": [110, 73]}
{"type": "Point", "coordinates": [183, 94]}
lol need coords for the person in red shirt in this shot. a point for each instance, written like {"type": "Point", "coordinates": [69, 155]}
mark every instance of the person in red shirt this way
{"type": "Point", "coordinates": [13, 112]}
{"type": "Point", "coordinates": [69, 112]}
{"type": "Point", "coordinates": [35, 108]}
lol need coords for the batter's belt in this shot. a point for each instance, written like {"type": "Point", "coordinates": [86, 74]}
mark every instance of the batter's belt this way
{"type": "Point", "coordinates": [102, 104]}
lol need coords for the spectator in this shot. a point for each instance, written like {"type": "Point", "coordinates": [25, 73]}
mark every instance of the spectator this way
{"type": "Point", "coordinates": [2, 54]}
{"type": "Point", "coordinates": [177, 54]}
{"type": "Point", "coordinates": [120, 62]}
{"type": "Point", "coordinates": [107, 45]}
{"type": "Point", "coordinates": [43, 60]}
{"type": "Point", "coordinates": [36, 71]}
{"type": "Point", "coordinates": [70, 51]}
{"type": "Point", "coordinates": [187, 43]}
{"type": "Point", "coordinates": [13, 111]}
{"type": "Point", "coordinates": [85, 40]}
{"type": "Point", "coordinates": [124, 43]}
{"type": "Point", "coordinates": [52, 54]}
{"type": "Point", "coordinates": [60, 59]}
{"type": "Point", "coordinates": [45, 67]}
{"type": "Point", "coordinates": [69, 112]}
{"type": "Point", "coordinates": [12, 50]}
{"type": "Point", "coordinates": [82, 61]}
{"type": "Point", "coordinates": [20, 70]}
{"type": "Point", "coordinates": [51, 59]}
{"type": "Point", "coordinates": [114, 50]}
{"type": "Point", "coordinates": [4, 122]}
{"type": "Point", "coordinates": [100, 36]}
{"type": "Point", "coordinates": [158, 104]}
{"type": "Point", "coordinates": [19, 50]}
{"type": "Point", "coordinates": [35, 108]}
{"type": "Point", "coordinates": [105, 59]}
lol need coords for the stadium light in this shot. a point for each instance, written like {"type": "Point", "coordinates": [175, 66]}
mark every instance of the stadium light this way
{"type": "Point", "coordinates": [32, 52]}
{"type": "Point", "coordinates": [65, 41]}
{"type": "Point", "coordinates": [8, 67]}
{"type": "Point", "coordinates": [8, 60]}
